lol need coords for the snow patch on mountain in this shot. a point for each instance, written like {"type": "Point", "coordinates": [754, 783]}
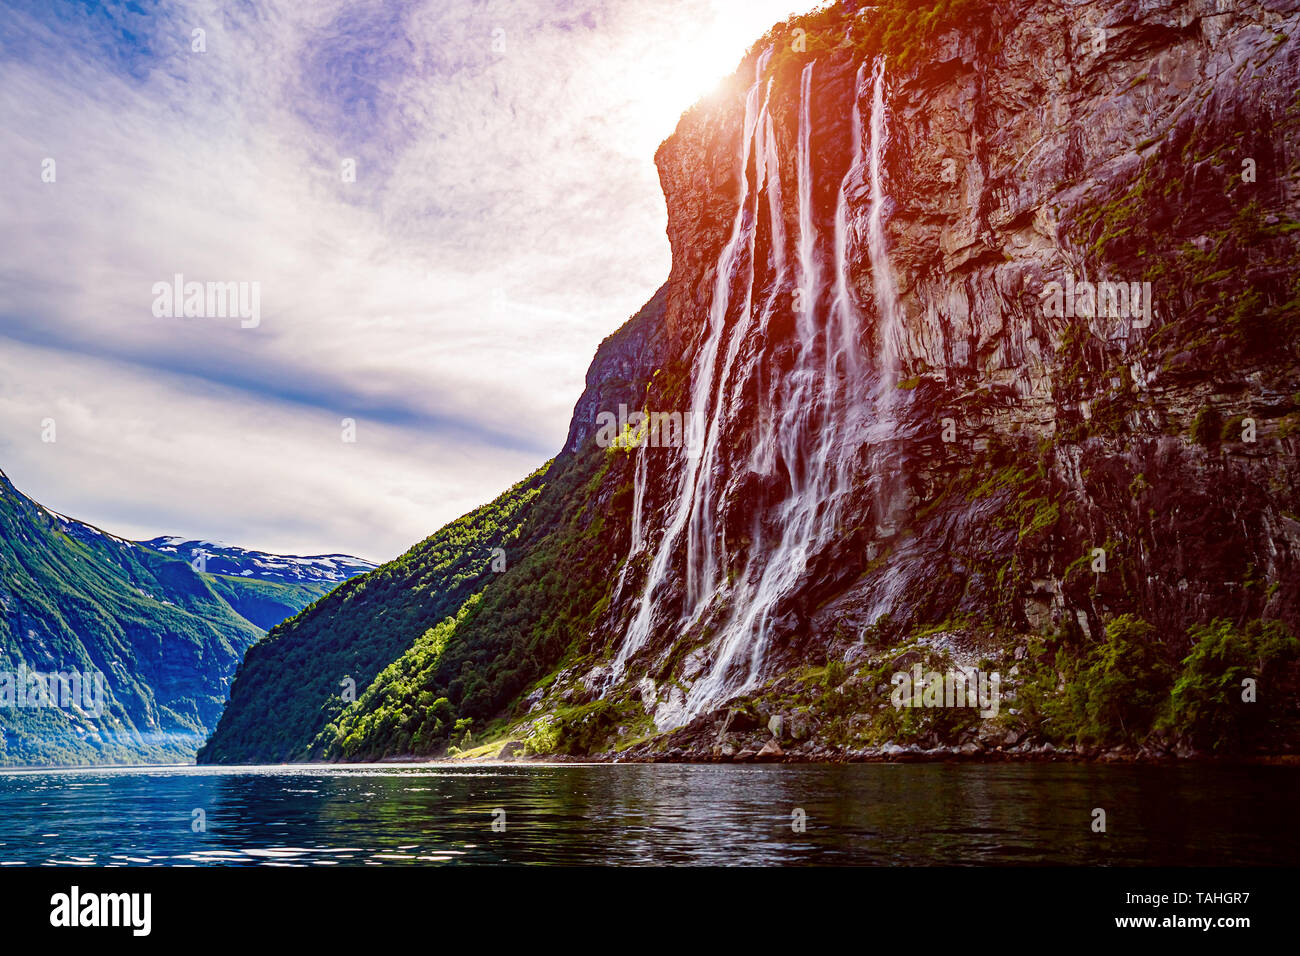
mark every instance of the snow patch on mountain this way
{"type": "Point", "coordinates": [227, 559]}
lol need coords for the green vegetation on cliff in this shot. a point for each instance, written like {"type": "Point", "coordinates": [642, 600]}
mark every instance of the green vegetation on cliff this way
{"type": "Point", "coordinates": [448, 636]}
{"type": "Point", "coordinates": [1236, 691]}
{"type": "Point", "coordinates": [1123, 689]}
{"type": "Point", "coordinates": [293, 682]}
{"type": "Point", "coordinates": [465, 669]}
{"type": "Point", "coordinates": [905, 31]}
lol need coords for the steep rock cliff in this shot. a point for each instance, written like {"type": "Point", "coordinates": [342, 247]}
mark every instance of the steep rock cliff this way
{"type": "Point", "coordinates": [981, 331]}
{"type": "Point", "coordinates": [979, 461]}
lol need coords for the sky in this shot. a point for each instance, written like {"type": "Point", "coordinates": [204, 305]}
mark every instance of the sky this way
{"type": "Point", "coordinates": [442, 208]}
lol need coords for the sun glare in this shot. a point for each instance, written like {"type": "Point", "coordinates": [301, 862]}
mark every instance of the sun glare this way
{"type": "Point", "coordinates": [695, 64]}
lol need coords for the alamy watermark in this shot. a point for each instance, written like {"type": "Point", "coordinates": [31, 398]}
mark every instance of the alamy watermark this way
{"type": "Point", "coordinates": [63, 690]}
{"type": "Point", "coordinates": [1115, 300]}
{"type": "Point", "coordinates": [656, 429]}
{"type": "Point", "coordinates": [77, 909]}
{"type": "Point", "coordinates": [962, 687]}
{"type": "Point", "coordinates": [208, 300]}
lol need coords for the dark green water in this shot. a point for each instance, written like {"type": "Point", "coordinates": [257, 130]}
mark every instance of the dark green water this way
{"type": "Point", "coordinates": [872, 814]}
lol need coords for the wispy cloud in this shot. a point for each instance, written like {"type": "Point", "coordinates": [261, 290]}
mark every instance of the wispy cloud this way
{"type": "Point", "coordinates": [505, 217]}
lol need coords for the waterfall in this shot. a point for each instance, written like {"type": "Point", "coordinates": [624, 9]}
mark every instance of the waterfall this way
{"type": "Point", "coordinates": [882, 272]}
{"type": "Point", "coordinates": [637, 539]}
{"type": "Point", "coordinates": [822, 409]}
{"type": "Point", "coordinates": [807, 229]}
{"type": "Point", "coordinates": [822, 396]}
{"type": "Point", "coordinates": [695, 490]}
{"type": "Point", "coordinates": [889, 320]}
{"type": "Point", "coordinates": [845, 313]}
{"type": "Point", "coordinates": [702, 558]}
{"type": "Point", "coordinates": [638, 500]}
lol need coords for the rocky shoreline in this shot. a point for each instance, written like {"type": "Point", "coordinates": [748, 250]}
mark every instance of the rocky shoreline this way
{"type": "Point", "coordinates": [913, 754]}
{"type": "Point", "coordinates": [883, 755]}
{"type": "Point", "coordinates": [772, 752]}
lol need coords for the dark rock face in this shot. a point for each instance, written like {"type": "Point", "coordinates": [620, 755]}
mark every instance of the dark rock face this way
{"type": "Point", "coordinates": [618, 373]}
{"type": "Point", "coordinates": [955, 452]}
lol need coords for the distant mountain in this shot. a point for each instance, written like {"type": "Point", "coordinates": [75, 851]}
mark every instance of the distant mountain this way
{"type": "Point", "coordinates": [264, 588]}
{"type": "Point", "coordinates": [160, 638]}
{"type": "Point", "coordinates": [327, 569]}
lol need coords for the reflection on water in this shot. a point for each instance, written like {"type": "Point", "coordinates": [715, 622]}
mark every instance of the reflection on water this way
{"type": "Point", "coordinates": [878, 814]}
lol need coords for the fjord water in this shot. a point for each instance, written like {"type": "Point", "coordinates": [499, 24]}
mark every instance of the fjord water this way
{"type": "Point", "coordinates": [874, 814]}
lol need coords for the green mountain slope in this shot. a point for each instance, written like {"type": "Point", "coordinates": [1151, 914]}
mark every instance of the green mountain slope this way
{"type": "Point", "coordinates": [291, 684]}
{"type": "Point", "coordinates": [165, 638]}
{"type": "Point", "coordinates": [439, 622]}
{"type": "Point", "coordinates": [461, 671]}
{"type": "Point", "coordinates": [265, 603]}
